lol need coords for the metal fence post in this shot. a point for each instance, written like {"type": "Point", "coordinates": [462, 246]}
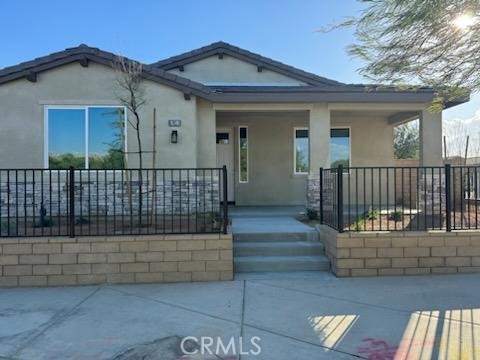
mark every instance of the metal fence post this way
{"type": "Point", "coordinates": [340, 198]}
{"type": "Point", "coordinates": [225, 199]}
{"type": "Point", "coordinates": [321, 195]}
{"type": "Point", "coordinates": [71, 195]}
{"type": "Point", "coordinates": [448, 203]}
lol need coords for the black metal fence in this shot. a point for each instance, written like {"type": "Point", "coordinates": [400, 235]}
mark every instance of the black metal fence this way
{"type": "Point", "coordinates": [39, 202]}
{"type": "Point", "coordinates": [400, 198]}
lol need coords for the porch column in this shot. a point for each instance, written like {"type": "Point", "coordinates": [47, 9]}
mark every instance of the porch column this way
{"type": "Point", "coordinates": [430, 138]}
{"type": "Point", "coordinates": [319, 137]}
{"type": "Point", "coordinates": [206, 129]}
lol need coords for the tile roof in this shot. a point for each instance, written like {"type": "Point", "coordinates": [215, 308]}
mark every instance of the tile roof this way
{"type": "Point", "coordinates": [318, 89]}
{"type": "Point", "coordinates": [84, 52]}
{"type": "Point", "coordinates": [221, 47]}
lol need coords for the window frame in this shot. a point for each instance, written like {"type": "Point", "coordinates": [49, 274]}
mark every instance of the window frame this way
{"type": "Point", "coordinates": [240, 156]}
{"type": "Point", "coordinates": [46, 108]}
{"type": "Point", "coordinates": [295, 172]}
{"type": "Point", "coordinates": [349, 144]}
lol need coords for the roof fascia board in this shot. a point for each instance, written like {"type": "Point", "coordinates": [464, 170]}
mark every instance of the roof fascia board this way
{"type": "Point", "coordinates": [322, 97]}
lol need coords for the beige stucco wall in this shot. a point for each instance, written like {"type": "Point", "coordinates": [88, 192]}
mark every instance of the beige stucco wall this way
{"type": "Point", "coordinates": [22, 115]}
{"type": "Point", "coordinates": [271, 177]}
{"type": "Point", "coordinates": [371, 141]}
{"type": "Point", "coordinates": [371, 138]}
{"type": "Point", "coordinates": [230, 70]}
{"type": "Point", "coordinates": [431, 138]}
{"type": "Point", "coordinates": [206, 130]}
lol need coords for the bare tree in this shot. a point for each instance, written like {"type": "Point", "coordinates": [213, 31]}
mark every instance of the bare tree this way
{"type": "Point", "coordinates": [459, 140]}
{"type": "Point", "coordinates": [131, 94]}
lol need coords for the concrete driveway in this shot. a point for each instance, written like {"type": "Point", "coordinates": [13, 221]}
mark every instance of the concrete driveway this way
{"type": "Point", "coordinates": [294, 315]}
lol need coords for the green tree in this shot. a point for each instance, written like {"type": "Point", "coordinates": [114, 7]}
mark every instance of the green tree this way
{"type": "Point", "coordinates": [406, 142]}
{"type": "Point", "coordinates": [301, 162]}
{"type": "Point", "coordinates": [431, 42]}
{"type": "Point", "coordinates": [64, 161]}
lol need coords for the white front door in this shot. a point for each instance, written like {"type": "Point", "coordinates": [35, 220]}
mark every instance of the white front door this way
{"type": "Point", "coordinates": [225, 156]}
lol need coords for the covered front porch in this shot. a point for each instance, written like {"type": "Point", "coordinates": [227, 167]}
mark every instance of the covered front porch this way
{"type": "Point", "coordinates": [270, 150]}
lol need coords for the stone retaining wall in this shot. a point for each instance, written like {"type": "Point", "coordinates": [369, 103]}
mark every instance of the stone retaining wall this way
{"type": "Point", "coordinates": [55, 261]}
{"type": "Point", "coordinates": [401, 253]}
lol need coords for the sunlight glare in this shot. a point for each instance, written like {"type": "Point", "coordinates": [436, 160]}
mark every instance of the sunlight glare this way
{"type": "Point", "coordinates": [464, 21]}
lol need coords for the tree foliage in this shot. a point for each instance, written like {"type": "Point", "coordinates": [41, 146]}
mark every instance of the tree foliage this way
{"type": "Point", "coordinates": [406, 142]}
{"type": "Point", "coordinates": [434, 43]}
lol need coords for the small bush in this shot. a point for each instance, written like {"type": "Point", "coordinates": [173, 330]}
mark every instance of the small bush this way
{"type": "Point", "coordinates": [44, 222]}
{"type": "Point", "coordinates": [372, 214]}
{"type": "Point", "coordinates": [358, 224]}
{"type": "Point", "coordinates": [312, 214]}
{"type": "Point", "coordinates": [396, 215]}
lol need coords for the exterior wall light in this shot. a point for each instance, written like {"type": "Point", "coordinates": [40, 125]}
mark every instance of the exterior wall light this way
{"type": "Point", "coordinates": [174, 137]}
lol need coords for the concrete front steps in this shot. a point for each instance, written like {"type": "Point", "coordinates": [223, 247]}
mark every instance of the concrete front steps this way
{"type": "Point", "coordinates": [279, 251]}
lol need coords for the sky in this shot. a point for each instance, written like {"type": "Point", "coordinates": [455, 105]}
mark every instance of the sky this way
{"type": "Point", "coordinates": [285, 30]}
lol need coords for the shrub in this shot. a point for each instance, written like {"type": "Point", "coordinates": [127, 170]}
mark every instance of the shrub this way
{"type": "Point", "coordinates": [44, 222]}
{"type": "Point", "coordinates": [358, 224]}
{"type": "Point", "coordinates": [372, 214]}
{"type": "Point", "coordinates": [396, 215]}
{"type": "Point", "coordinates": [312, 214]}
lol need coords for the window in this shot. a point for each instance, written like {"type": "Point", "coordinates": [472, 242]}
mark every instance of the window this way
{"type": "Point", "coordinates": [84, 137]}
{"type": "Point", "coordinates": [301, 159]}
{"type": "Point", "coordinates": [223, 138]}
{"type": "Point", "coordinates": [243, 153]}
{"type": "Point", "coordinates": [340, 147]}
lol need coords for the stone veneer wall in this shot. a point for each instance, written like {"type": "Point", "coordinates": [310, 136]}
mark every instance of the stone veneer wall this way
{"type": "Point", "coordinates": [107, 195]}
{"type": "Point", "coordinates": [401, 253]}
{"type": "Point", "coordinates": [125, 259]}
{"type": "Point", "coordinates": [313, 191]}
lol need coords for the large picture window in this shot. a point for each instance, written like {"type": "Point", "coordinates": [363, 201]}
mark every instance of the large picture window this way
{"type": "Point", "coordinates": [301, 158]}
{"type": "Point", "coordinates": [340, 147]}
{"type": "Point", "coordinates": [87, 137]}
{"type": "Point", "coordinates": [243, 153]}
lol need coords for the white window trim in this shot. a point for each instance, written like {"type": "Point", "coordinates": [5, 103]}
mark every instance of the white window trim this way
{"type": "Point", "coordinates": [349, 143]}
{"type": "Point", "coordinates": [239, 156]}
{"type": "Point", "coordinates": [78, 107]}
{"type": "Point", "coordinates": [295, 172]}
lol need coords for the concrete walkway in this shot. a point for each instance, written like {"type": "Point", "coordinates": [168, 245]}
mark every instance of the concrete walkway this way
{"type": "Point", "coordinates": [267, 219]}
{"type": "Point", "coordinates": [295, 315]}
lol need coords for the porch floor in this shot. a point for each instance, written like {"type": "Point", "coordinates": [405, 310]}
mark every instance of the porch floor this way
{"type": "Point", "coordinates": [267, 219]}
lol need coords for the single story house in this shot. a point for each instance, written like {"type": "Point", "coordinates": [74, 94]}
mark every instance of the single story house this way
{"type": "Point", "coordinates": [271, 124]}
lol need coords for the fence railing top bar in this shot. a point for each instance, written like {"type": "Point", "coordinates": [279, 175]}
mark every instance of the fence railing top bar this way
{"type": "Point", "coordinates": [465, 166]}
{"type": "Point", "coordinates": [384, 167]}
{"type": "Point", "coordinates": [127, 169]}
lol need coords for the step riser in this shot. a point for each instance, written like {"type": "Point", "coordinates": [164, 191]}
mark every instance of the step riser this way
{"type": "Point", "coordinates": [281, 266]}
{"type": "Point", "coordinates": [278, 251]}
{"type": "Point", "coordinates": [256, 237]}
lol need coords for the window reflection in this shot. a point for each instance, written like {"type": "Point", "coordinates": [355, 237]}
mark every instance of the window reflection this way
{"type": "Point", "coordinates": [340, 147]}
{"type": "Point", "coordinates": [301, 151]}
{"type": "Point", "coordinates": [68, 138]}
